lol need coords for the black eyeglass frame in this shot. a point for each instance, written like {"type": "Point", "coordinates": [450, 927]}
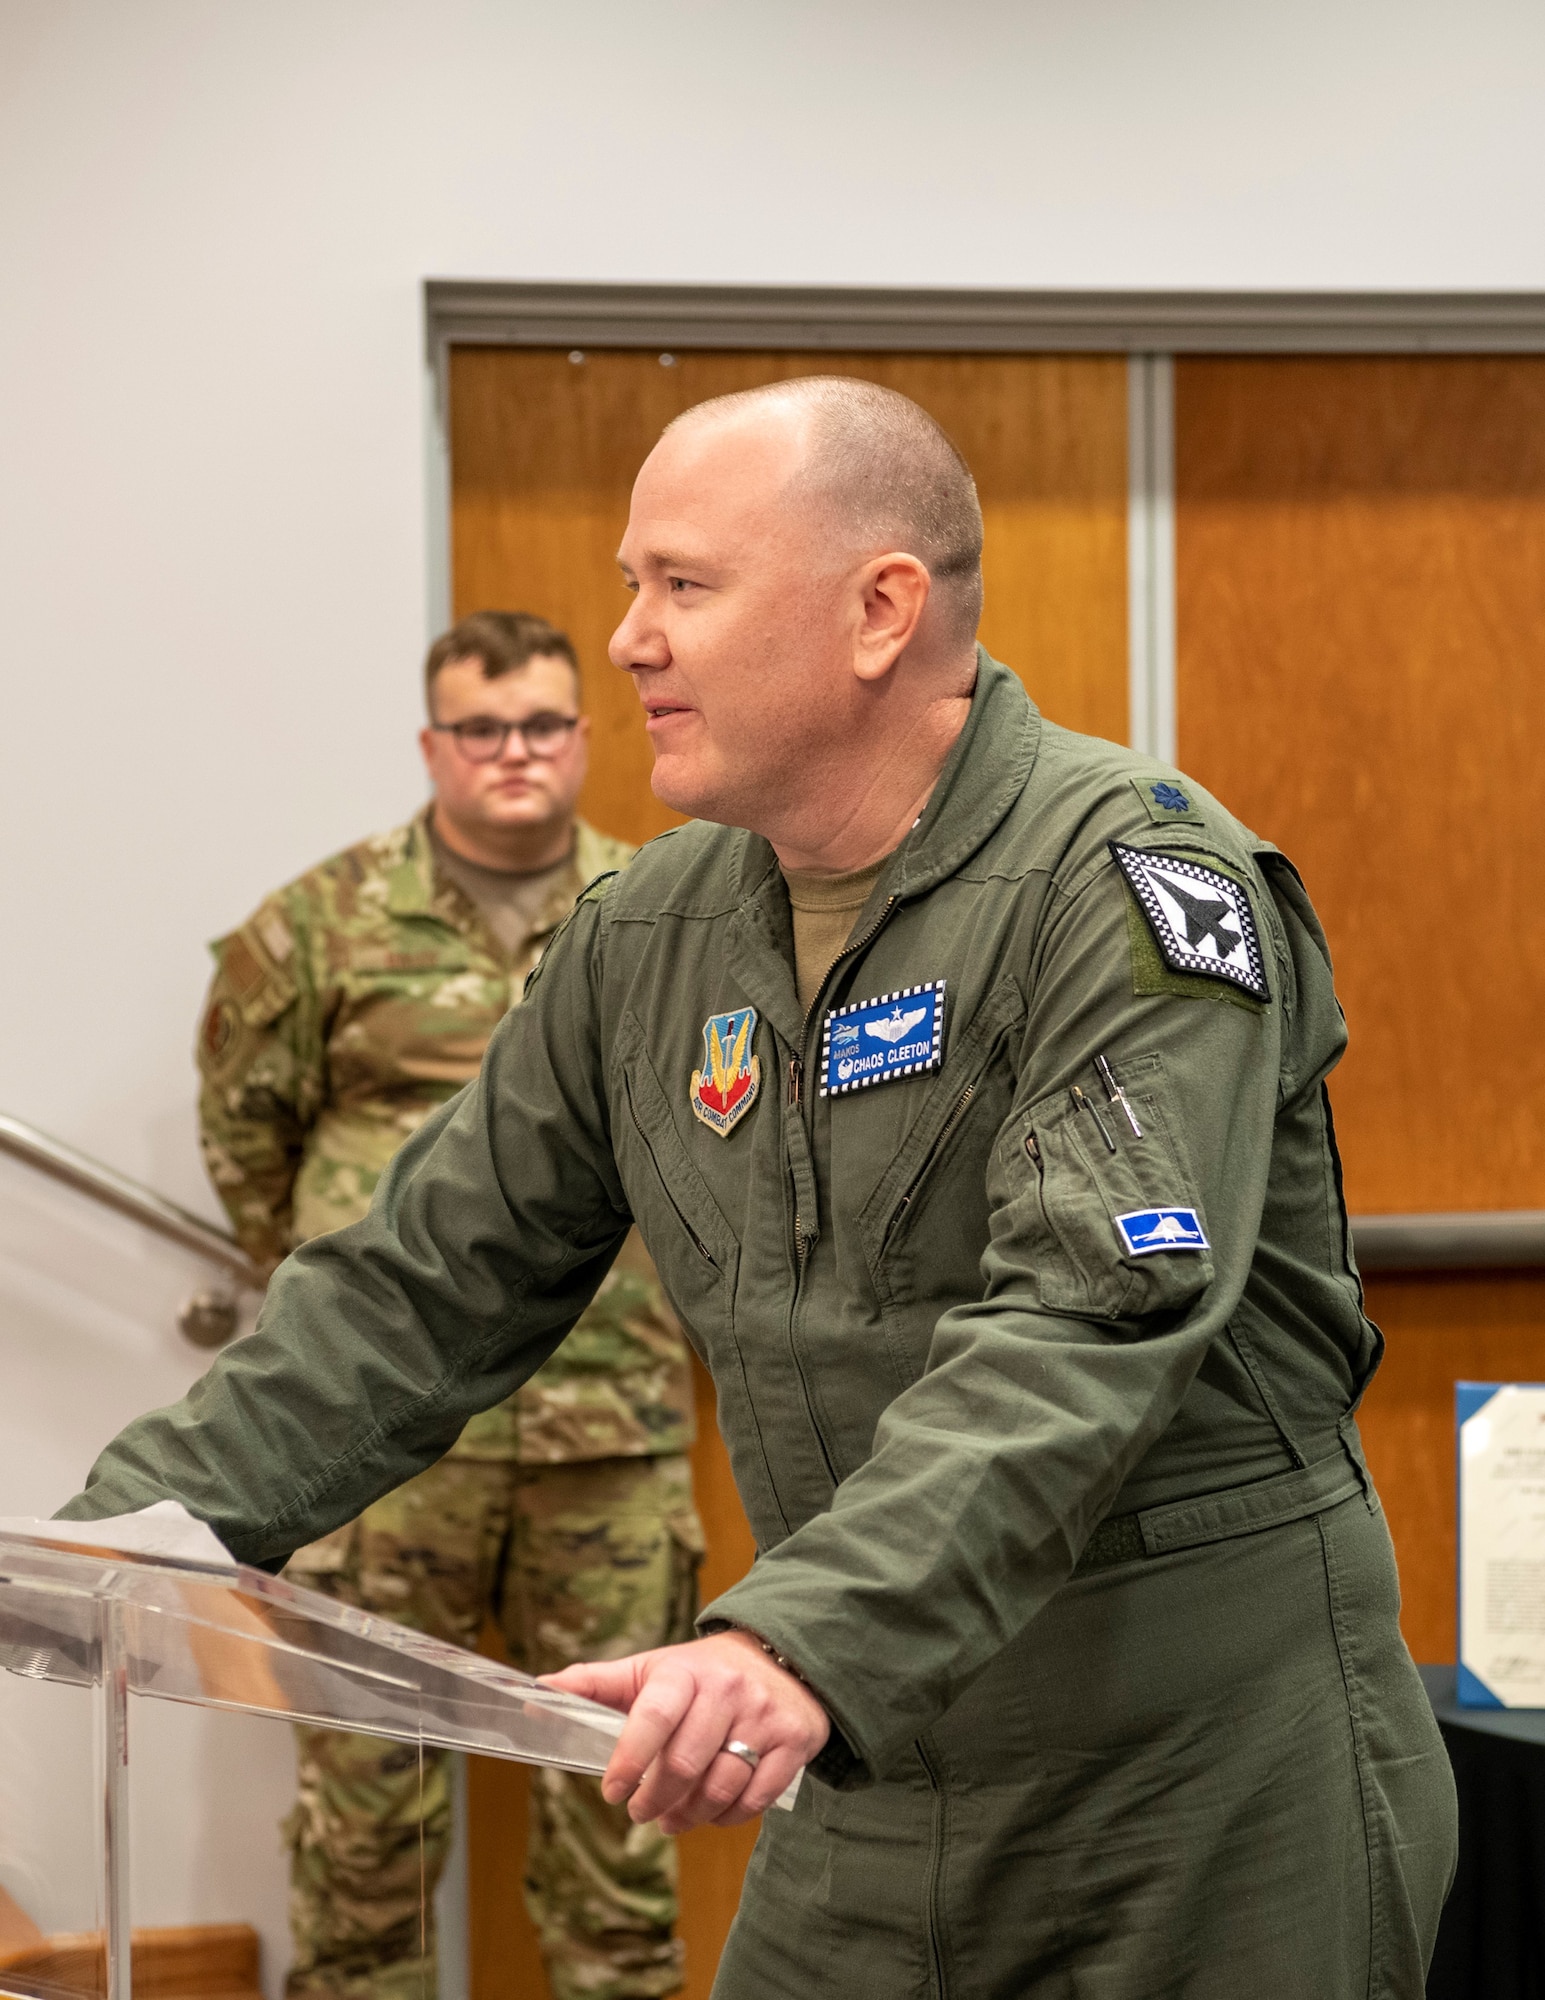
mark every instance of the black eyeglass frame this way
{"type": "Point", "coordinates": [555, 730]}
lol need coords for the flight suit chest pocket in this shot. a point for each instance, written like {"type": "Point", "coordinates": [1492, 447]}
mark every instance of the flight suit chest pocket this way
{"type": "Point", "coordinates": [684, 1228]}
{"type": "Point", "coordinates": [1110, 1199]}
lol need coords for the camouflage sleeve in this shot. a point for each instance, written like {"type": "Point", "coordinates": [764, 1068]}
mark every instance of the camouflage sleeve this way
{"type": "Point", "coordinates": [490, 1233]}
{"type": "Point", "coordinates": [261, 1072]}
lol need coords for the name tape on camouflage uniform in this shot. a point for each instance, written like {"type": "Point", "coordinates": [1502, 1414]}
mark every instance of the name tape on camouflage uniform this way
{"type": "Point", "coordinates": [873, 1041]}
{"type": "Point", "coordinates": [1201, 921]}
{"type": "Point", "coordinates": [725, 1088]}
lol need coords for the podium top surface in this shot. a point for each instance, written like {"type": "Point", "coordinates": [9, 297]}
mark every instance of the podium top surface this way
{"type": "Point", "coordinates": [225, 1636]}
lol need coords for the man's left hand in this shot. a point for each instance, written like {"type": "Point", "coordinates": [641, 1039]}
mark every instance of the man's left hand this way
{"type": "Point", "coordinates": [684, 1704]}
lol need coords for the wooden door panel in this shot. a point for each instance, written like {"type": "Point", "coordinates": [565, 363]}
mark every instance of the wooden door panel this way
{"type": "Point", "coordinates": [1361, 612]}
{"type": "Point", "coordinates": [544, 451]}
{"type": "Point", "coordinates": [1361, 591]}
{"type": "Point", "coordinates": [543, 454]}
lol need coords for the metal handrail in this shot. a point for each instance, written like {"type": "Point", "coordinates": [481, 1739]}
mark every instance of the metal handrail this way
{"type": "Point", "coordinates": [1463, 1240]}
{"type": "Point", "coordinates": [1507, 1239]}
{"type": "Point", "coordinates": [208, 1318]}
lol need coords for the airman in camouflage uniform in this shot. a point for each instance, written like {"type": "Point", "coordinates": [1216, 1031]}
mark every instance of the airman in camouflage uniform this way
{"type": "Point", "coordinates": [349, 1006]}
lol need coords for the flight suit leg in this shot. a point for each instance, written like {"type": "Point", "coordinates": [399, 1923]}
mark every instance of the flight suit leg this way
{"type": "Point", "coordinates": [602, 1562]}
{"type": "Point", "coordinates": [361, 1889]}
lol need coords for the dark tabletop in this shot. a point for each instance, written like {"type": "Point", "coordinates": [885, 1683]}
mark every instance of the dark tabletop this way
{"type": "Point", "coordinates": [1520, 1725]}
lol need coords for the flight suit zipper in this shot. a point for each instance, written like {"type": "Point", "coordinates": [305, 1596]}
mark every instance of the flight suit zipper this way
{"type": "Point", "coordinates": [934, 1889]}
{"type": "Point", "coordinates": [962, 1105]}
{"type": "Point", "coordinates": [805, 1233]}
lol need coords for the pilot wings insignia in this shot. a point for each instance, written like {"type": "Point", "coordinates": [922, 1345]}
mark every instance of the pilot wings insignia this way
{"type": "Point", "coordinates": [896, 1026]}
{"type": "Point", "coordinates": [725, 1088]}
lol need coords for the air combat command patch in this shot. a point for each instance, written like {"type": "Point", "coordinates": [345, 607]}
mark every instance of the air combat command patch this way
{"type": "Point", "coordinates": [725, 1088]}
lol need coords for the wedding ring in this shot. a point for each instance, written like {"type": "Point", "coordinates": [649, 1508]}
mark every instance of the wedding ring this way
{"type": "Point", "coordinates": [743, 1751]}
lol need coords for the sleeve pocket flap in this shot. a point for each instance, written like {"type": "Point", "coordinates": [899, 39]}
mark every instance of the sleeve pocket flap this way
{"type": "Point", "coordinates": [1119, 1226]}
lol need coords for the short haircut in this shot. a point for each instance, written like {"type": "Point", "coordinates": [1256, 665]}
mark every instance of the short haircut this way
{"type": "Point", "coordinates": [888, 473]}
{"type": "Point", "coordinates": [502, 642]}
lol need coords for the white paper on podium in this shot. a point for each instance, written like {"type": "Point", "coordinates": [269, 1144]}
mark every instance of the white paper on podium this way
{"type": "Point", "coordinates": [1502, 1544]}
{"type": "Point", "coordinates": [164, 1530]}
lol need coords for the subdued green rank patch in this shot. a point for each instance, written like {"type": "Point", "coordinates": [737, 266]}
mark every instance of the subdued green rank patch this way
{"type": "Point", "coordinates": [1151, 975]}
{"type": "Point", "coordinates": [1168, 801]}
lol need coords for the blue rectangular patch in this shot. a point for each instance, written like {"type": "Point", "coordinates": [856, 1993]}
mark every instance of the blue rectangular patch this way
{"type": "Point", "coordinates": [871, 1041]}
{"type": "Point", "coordinates": [1148, 1230]}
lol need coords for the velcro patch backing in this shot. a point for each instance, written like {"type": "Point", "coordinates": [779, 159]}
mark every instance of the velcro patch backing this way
{"type": "Point", "coordinates": [1201, 920]}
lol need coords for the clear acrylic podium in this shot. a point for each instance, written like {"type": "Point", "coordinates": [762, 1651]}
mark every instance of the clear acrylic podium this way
{"type": "Point", "coordinates": [111, 1625]}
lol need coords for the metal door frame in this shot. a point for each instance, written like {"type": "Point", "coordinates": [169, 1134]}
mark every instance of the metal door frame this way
{"type": "Point", "coordinates": [1149, 327]}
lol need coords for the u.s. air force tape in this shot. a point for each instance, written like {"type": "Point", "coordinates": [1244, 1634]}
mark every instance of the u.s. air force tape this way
{"type": "Point", "coordinates": [1201, 920]}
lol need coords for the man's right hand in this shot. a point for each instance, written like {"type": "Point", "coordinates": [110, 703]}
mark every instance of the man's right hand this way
{"type": "Point", "coordinates": [684, 1704]}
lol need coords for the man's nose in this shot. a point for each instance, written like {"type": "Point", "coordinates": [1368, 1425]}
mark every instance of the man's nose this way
{"type": "Point", "coordinates": [638, 640]}
{"type": "Point", "coordinates": [516, 750]}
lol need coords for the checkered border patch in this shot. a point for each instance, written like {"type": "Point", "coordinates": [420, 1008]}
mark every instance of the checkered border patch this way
{"type": "Point", "coordinates": [901, 1069]}
{"type": "Point", "coordinates": [1134, 863]}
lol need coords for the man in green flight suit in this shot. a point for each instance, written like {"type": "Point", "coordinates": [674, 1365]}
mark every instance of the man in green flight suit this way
{"type": "Point", "coordinates": [966, 1079]}
{"type": "Point", "coordinates": [350, 1006]}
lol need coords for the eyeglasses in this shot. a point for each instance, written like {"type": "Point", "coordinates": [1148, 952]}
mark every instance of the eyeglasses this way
{"type": "Point", "coordinates": [481, 738]}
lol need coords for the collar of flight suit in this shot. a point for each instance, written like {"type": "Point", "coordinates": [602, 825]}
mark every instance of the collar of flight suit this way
{"type": "Point", "coordinates": [987, 769]}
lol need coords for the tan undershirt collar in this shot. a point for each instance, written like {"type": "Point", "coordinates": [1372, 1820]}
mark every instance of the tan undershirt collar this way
{"type": "Point", "coordinates": [824, 909]}
{"type": "Point", "coordinates": [512, 901]}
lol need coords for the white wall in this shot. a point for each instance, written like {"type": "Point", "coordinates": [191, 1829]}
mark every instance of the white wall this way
{"type": "Point", "coordinates": [215, 218]}
{"type": "Point", "coordinates": [214, 221]}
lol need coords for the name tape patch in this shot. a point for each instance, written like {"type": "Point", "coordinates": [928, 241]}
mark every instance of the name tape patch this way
{"type": "Point", "coordinates": [1147, 1230]}
{"type": "Point", "coordinates": [872, 1041]}
{"type": "Point", "coordinates": [1201, 921]}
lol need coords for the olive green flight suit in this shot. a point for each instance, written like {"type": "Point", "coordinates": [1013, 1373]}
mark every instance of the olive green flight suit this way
{"type": "Point", "coordinates": [1070, 1530]}
{"type": "Point", "coordinates": [348, 1007]}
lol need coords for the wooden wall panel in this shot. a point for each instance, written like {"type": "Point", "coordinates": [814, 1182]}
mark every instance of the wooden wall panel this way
{"type": "Point", "coordinates": [1361, 589]}
{"type": "Point", "coordinates": [543, 454]}
{"type": "Point", "coordinates": [544, 450]}
{"type": "Point", "coordinates": [1361, 604]}
{"type": "Point", "coordinates": [1440, 1330]}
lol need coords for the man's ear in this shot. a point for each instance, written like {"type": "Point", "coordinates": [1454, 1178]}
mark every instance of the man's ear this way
{"type": "Point", "coordinates": [895, 591]}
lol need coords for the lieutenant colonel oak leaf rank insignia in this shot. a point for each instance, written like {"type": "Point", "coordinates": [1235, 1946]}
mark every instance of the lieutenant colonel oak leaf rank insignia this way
{"type": "Point", "coordinates": [1201, 920]}
{"type": "Point", "coordinates": [725, 1088]}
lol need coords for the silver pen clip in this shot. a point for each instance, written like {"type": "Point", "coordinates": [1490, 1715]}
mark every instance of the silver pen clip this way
{"type": "Point", "coordinates": [1116, 1095]}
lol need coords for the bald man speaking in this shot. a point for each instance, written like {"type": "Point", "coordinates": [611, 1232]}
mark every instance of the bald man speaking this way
{"type": "Point", "coordinates": [966, 1078]}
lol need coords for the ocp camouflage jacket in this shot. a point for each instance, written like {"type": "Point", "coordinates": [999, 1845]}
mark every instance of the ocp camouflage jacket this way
{"type": "Point", "coordinates": [348, 1007]}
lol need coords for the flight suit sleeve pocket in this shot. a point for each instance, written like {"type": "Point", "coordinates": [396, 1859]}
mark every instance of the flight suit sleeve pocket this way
{"type": "Point", "coordinates": [1110, 1200]}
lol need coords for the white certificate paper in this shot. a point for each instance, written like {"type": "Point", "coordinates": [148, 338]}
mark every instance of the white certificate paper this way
{"type": "Point", "coordinates": [1501, 1544]}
